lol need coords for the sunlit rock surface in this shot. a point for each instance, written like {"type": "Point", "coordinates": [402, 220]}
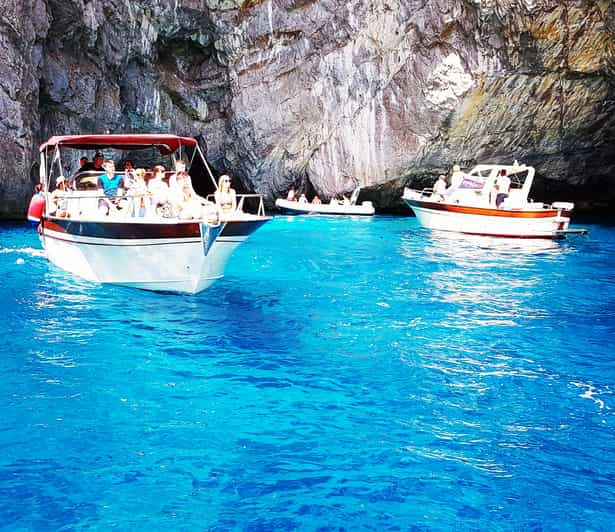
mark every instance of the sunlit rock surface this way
{"type": "Point", "coordinates": [328, 95]}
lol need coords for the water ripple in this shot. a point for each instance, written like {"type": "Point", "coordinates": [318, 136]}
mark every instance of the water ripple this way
{"type": "Point", "coordinates": [347, 374]}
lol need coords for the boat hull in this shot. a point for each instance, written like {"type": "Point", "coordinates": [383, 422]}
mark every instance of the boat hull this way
{"type": "Point", "coordinates": [185, 257]}
{"type": "Point", "coordinates": [539, 223]}
{"type": "Point", "coordinates": [295, 207]}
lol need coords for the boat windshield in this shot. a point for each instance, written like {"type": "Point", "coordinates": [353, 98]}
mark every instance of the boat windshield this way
{"type": "Point", "coordinates": [517, 180]}
{"type": "Point", "coordinates": [473, 182]}
{"type": "Point", "coordinates": [477, 178]}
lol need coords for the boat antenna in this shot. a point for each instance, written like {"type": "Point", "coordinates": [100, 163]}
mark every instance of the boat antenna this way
{"type": "Point", "coordinates": [199, 140]}
{"type": "Point", "coordinates": [59, 159]}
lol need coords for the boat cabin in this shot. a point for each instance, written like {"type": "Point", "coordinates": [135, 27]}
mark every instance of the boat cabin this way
{"type": "Point", "coordinates": [478, 187]}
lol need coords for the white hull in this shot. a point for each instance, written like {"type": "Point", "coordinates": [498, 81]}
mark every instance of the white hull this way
{"type": "Point", "coordinates": [492, 200]}
{"type": "Point", "coordinates": [84, 233]}
{"type": "Point", "coordinates": [365, 209]}
{"type": "Point", "coordinates": [537, 224]}
{"type": "Point", "coordinates": [179, 264]}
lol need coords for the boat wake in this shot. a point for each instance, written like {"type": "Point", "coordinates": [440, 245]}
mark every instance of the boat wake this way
{"type": "Point", "coordinates": [33, 252]}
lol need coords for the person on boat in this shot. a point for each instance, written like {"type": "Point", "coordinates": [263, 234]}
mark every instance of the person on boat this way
{"type": "Point", "coordinates": [180, 166]}
{"type": "Point", "coordinates": [502, 187]}
{"type": "Point", "coordinates": [139, 195]}
{"type": "Point", "coordinates": [303, 199]}
{"type": "Point", "coordinates": [112, 186]}
{"type": "Point", "coordinates": [226, 197]}
{"type": "Point", "coordinates": [37, 205]}
{"type": "Point", "coordinates": [439, 188]}
{"type": "Point", "coordinates": [457, 177]}
{"type": "Point", "coordinates": [186, 201]}
{"type": "Point", "coordinates": [128, 170]}
{"type": "Point", "coordinates": [186, 181]}
{"type": "Point", "coordinates": [57, 199]}
{"type": "Point", "coordinates": [83, 163]}
{"type": "Point", "coordinates": [158, 187]}
{"type": "Point", "coordinates": [129, 175]}
{"type": "Point", "coordinates": [292, 195]}
{"type": "Point", "coordinates": [96, 165]}
{"type": "Point", "coordinates": [316, 200]}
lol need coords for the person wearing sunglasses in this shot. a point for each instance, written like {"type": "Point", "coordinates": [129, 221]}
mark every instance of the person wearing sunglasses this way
{"type": "Point", "coordinates": [226, 197]}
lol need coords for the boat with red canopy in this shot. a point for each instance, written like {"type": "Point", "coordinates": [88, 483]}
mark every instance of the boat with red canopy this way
{"type": "Point", "coordinates": [148, 248]}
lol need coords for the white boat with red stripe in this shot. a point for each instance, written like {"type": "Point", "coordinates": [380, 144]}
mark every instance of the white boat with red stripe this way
{"type": "Point", "coordinates": [157, 251]}
{"type": "Point", "coordinates": [469, 206]}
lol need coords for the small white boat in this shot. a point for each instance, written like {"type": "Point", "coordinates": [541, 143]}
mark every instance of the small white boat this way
{"type": "Point", "coordinates": [152, 252]}
{"type": "Point", "coordinates": [469, 207]}
{"type": "Point", "coordinates": [349, 208]}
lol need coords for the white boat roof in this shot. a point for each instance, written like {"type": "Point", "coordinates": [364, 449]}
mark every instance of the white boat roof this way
{"type": "Point", "coordinates": [510, 168]}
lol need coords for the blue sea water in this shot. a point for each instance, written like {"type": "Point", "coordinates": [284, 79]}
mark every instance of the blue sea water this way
{"type": "Point", "coordinates": [346, 374]}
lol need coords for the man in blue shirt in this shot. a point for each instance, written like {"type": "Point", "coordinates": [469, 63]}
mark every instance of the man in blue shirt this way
{"type": "Point", "coordinates": [112, 185]}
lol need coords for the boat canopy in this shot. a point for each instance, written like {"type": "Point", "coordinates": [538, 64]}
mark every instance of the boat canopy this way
{"type": "Point", "coordinates": [165, 143]}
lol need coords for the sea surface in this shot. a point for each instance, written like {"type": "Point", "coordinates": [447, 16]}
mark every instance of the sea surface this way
{"type": "Point", "coordinates": [346, 374]}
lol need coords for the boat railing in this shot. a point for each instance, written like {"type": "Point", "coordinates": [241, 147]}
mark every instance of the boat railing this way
{"type": "Point", "coordinates": [87, 204]}
{"type": "Point", "coordinates": [419, 194]}
{"type": "Point", "coordinates": [250, 203]}
{"type": "Point", "coordinates": [255, 200]}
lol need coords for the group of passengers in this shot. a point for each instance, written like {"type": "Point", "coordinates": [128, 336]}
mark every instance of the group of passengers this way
{"type": "Point", "coordinates": [132, 194]}
{"type": "Point", "coordinates": [96, 165]}
{"type": "Point", "coordinates": [302, 198]}
{"type": "Point", "coordinates": [497, 195]}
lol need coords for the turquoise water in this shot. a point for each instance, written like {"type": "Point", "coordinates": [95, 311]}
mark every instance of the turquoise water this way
{"type": "Point", "coordinates": [347, 374]}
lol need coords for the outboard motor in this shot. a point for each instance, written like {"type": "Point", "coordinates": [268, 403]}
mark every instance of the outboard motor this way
{"type": "Point", "coordinates": [564, 207]}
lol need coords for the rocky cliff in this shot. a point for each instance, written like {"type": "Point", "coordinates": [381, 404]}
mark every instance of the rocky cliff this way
{"type": "Point", "coordinates": [324, 94]}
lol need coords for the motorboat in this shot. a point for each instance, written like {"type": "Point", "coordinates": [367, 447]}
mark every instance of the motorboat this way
{"type": "Point", "coordinates": [159, 251]}
{"type": "Point", "coordinates": [334, 207]}
{"type": "Point", "coordinates": [469, 206]}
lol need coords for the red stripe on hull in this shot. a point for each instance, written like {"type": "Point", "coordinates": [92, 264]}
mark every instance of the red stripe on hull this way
{"type": "Point", "coordinates": [52, 226]}
{"type": "Point", "coordinates": [123, 230]}
{"type": "Point", "coordinates": [482, 211]}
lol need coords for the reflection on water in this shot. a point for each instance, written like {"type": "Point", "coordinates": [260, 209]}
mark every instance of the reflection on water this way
{"type": "Point", "coordinates": [480, 251]}
{"type": "Point", "coordinates": [489, 280]}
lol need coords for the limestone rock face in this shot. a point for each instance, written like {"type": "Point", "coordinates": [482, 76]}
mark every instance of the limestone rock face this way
{"type": "Point", "coordinates": [327, 95]}
{"type": "Point", "coordinates": [23, 25]}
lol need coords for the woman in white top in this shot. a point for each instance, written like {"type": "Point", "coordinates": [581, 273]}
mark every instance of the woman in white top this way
{"type": "Point", "coordinates": [139, 193]}
{"type": "Point", "coordinates": [186, 201]}
{"type": "Point", "coordinates": [58, 203]}
{"type": "Point", "coordinates": [439, 187]}
{"type": "Point", "coordinates": [157, 187]}
{"type": "Point", "coordinates": [180, 166]}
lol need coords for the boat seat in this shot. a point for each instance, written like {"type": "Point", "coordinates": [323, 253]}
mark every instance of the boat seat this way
{"type": "Point", "coordinates": [86, 180]}
{"type": "Point", "coordinates": [83, 203]}
{"type": "Point", "coordinates": [515, 200]}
